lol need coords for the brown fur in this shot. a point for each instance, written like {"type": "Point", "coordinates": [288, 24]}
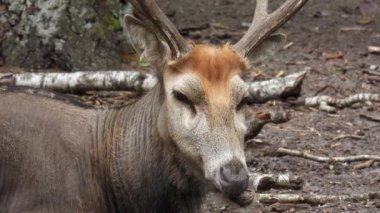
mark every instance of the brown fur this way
{"type": "Point", "coordinates": [58, 157]}
{"type": "Point", "coordinates": [214, 63]}
{"type": "Point", "coordinates": [214, 66]}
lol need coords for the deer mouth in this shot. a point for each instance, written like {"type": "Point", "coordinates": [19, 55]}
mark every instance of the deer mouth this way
{"type": "Point", "coordinates": [231, 179]}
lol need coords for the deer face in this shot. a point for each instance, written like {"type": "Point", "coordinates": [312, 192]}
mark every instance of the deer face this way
{"type": "Point", "coordinates": [204, 111]}
{"type": "Point", "coordinates": [202, 115]}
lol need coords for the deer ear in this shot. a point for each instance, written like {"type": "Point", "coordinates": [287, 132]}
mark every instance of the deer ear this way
{"type": "Point", "coordinates": [267, 48]}
{"type": "Point", "coordinates": [146, 43]}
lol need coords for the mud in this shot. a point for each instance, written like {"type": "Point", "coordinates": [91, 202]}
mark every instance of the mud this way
{"type": "Point", "coordinates": [320, 30]}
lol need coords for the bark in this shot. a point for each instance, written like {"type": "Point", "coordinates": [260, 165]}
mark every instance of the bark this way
{"type": "Point", "coordinates": [329, 104]}
{"type": "Point", "coordinates": [63, 34]}
{"type": "Point", "coordinates": [277, 88]}
{"type": "Point", "coordinates": [323, 159]}
{"type": "Point", "coordinates": [133, 80]}
{"type": "Point", "coordinates": [257, 120]}
{"type": "Point", "coordinates": [263, 182]}
{"type": "Point", "coordinates": [314, 199]}
{"type": "Point", "coordinates": [78, 82]}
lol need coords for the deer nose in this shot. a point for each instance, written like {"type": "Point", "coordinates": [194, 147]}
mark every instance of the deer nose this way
{"type": "Point", "coordinates": [233, 178]}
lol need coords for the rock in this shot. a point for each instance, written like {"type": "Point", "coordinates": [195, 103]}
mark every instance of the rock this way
{"type": "Point", "coordinates": [63, 34]}
{"type": "Point", "coordinates": [373, 67]}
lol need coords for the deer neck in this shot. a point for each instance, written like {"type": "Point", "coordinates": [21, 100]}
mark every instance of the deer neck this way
{"type": "Point", "coordinates": [145, 168]}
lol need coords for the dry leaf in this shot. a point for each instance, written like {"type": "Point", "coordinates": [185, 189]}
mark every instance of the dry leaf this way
{"type": "Point", "coordinates": [333, 55]}
{"type": "Point", "coordinates": [280, 73]}
{"type": "Point", "coordinates": [364, 20]}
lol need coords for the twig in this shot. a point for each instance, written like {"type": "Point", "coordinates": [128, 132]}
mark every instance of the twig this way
{"type": "Point", "coordinates": [353, 28]}
{"type": "Point", "coordinates": [248, 196]}
{"type": "Point", "coordinates": [363, 165]}
{"type": "Point", "coordinates": [289, 207]}
{"type": "Point", "coordinates": [373, 78]}
{"type": "Point", "coordinates": [313, 199]}
{"type": "Point", "coordinates": [308, 130]}
{"type": "Point", "coordinates": [370, 72]}
{"type": "Point", "coordinates": [370, 117]}
{"type": "Point", "coordinates": [306, 155]}
{"type": "Point", "coordinates": [328, 104]}
{"type": "Point", "coordinates": [286, 46]}
{"type": "Point", "coordinates": [262, 182]}
{"type": "Point", "coordinates": [374, 49]}
{"type": "Point", "coordinates": [357, 137]}
{"type": "Point", "coordinates": [333, 55]}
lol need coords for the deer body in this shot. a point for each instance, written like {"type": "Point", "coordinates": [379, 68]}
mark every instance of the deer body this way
{"type": "Point", "coordinates": [58, 157]}
{"type": "Point", "coordinates": [159, 154]}
{"type": "Point", "coordinates": [65, 158]}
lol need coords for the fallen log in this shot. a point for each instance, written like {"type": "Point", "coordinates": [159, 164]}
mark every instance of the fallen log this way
{"type": "Point", "coordinates": [323, 159]}
{"type": "Point", "coordinates": [329, 104]}
{"type": "Point", "coordinates": [248, 196]}
{"type": "Point", "coordinates": [78, 82]}
{"type": "Point", "coordinates": [314, 199]}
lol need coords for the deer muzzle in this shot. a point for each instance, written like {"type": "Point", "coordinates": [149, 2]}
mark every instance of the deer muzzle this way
{"type": "Point", "coordinates": [232, 178]}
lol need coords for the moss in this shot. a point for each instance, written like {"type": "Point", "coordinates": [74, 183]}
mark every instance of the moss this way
{"type": "Point", "coordinates": [110, 23]}
{"type": "Point", "coordinates": [107, 25]}
{"type": "Point", "coordinates": [100, 34]}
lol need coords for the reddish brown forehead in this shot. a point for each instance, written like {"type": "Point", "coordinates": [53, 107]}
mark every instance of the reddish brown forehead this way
{"type": "Point", "coordinates": [214, 66]}
{"type": "Point", "coordinates": [211, 63]}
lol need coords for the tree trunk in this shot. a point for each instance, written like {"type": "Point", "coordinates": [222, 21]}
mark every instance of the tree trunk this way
{"type": "Point", "coordinates": [62, 34]}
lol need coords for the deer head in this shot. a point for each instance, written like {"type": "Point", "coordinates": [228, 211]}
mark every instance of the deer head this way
{"type": "Point", "coordinates": [205, 99]}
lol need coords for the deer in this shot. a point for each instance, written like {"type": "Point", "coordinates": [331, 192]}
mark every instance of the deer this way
{"type": "Point", "coordinates": [161, 153]}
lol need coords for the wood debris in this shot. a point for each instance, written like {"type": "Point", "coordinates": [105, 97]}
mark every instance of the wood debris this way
{"type": "Point", "coordinates": [329, 104]}
{"type": "Point", "coordinates": [333, 55]}
{"type": "Point", "coordinates": [323, 159]}
{"type": "Point", "coordinates": [78, 82]}
{"type": "Point", "coordinates": [374, 49]}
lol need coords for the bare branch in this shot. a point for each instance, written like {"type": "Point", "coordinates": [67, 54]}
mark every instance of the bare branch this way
{"type": "Point", "coordinates": [370, 117]}
{"type": "Point", "coordinates": [248, 196]}
{"type": "Point", "coordinates": [328, 104]}
{"type": "Point", "coordinates": [306, 155]}
{"type": "Point", "coordinates": [313, 199]}
{"type": "Point", "coordinates": [363, 165]}
{"type": "Point", "coordinates": [374, 49]}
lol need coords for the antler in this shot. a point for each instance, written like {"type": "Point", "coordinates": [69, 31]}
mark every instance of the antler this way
{"type": "Point", "coordinates": [151, 15]}
{"type": "Point", "coordinates": [264, 24]}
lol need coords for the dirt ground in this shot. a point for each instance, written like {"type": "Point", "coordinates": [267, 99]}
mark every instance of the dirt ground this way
{"type": "Point", "coordinates": [323, 28]}
{"type": "Point", "coordinates": [330, 39]}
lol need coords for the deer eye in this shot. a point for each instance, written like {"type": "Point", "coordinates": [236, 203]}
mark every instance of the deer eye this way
{"type": "Point", "coordinates": [180, 97]}
{"type": "Point", "coordinates": [242, 103]}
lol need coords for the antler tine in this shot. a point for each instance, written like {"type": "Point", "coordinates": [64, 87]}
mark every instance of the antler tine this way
{"type": "Point", "coordinates": [151, 15]}
{"type": "Point", "coordinates": [261, 12]}
{"type": "Point", "coordinates": [264, 24]}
